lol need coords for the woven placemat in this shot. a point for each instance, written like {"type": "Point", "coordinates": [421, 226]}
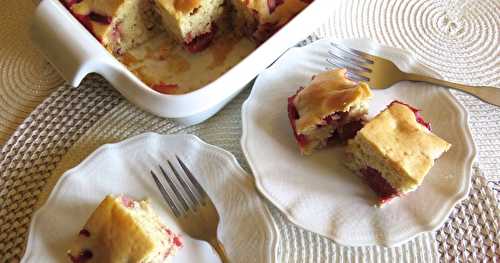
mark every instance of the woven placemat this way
{"type": "Point", "coordinates": [72, 123]}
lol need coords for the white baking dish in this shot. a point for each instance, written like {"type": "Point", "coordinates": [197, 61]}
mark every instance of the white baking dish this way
{"type": "Point", "coordinates": [74, 52]}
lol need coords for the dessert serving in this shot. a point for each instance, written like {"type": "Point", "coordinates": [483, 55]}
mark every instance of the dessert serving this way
{"type": "Point", "coordinates": [191, 22]}
{"type": "Point", "coordinates": [124, 230]}
{"type": "Point", "coordinates": [332, 107]}
{"type": "Point", "coordinates": [118, 24]}
{"type": "Point", "coordinates": [259, 19]}
{"type": "Point", "coordinates": [394, 151]}
{"type": "Point", "coordinates": [167, 42]}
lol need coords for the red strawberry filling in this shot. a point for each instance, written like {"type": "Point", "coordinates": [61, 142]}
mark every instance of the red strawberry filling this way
{"type": "Point", "coordinates": [348, 130]}
{"type": "Point", "coordinates": [84, 256]}
{"type": "Point", "coordinates": [165, 88]}
{"type": "Point", "coordinates": [201, 42]}
{"type": "Point", "coordinates": [70, 3]}
{"type": "Point", "coordinates": [177, 241]}
{"type": "Point", "coordinates": [293, 115]}
{"type": "Point", "coordinates": [379, 185]}
{"type": "Point", "coordinates": [265, 31]}
{"type": "Point", "coordinates": [87, 19]}
{"type": "Point", "coordinates": [102, 19]}
{"type": "Point", "coordinates": [84, 233]}
{"type": "Point", "coordinates": [343, 131]}
{"type": "Point", "coordinates": [128, 202]}
{"type": "Point", "coordinates": [416, 111]}
{"type": "Point", "coordinates": [273, 4]}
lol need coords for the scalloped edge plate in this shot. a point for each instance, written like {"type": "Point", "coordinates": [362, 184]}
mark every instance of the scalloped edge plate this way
{"type": "Point", "coordinates": [317, 192]}
{"type": "Point", "coordinates": [246, 228]}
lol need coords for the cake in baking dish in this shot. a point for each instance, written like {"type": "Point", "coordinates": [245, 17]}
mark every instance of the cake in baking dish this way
{"type": "Point", "coordinates": [191, 22]}
{"type": "Point", "coordinates": [118, 24]}
{"type": "Point", "coordinates": [262, 18]}
{"type": "Point", "coordinates": [331, 107]}
{"type": "Point", "coordinates": [394, 151]}
{"type": "Point", "coordinates": [124, 230]}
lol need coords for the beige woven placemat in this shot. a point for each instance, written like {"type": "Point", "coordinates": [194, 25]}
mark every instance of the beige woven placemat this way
{"type": "Point", "coordinates": [71, 123]}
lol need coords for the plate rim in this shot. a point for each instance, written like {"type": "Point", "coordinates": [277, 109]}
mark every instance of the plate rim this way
{"type": "Point", "coordinates": [447, 209]}
{"type": "Point", "coordinates": [272, 255]}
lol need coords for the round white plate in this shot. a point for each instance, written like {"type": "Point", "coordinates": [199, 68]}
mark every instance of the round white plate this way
{"type": "Point", "coordinates": [317, 192]}
{"type": "Point", "coordinates": [245, 228]}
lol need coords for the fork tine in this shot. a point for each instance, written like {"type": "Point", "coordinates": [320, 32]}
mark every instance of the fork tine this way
{"type": "Point", "coordinates": [356, 77]}
{"type": "Point", "coordinates": [193, 180]}
{"type": "Point", "coordinates": [171, 184]}
{"type": "Point", "coordinates": [348, 57]}
{"type": "Point", "coordinates": [367, 58]}
{"type": "Point", "coordinates": [166, 196]}
{"type": "Point", "coordinates": [184, 185]}
{"type": "Point", "coordinates": [358, 64]}
{"type": "Point", "coordinates": [337, 62]}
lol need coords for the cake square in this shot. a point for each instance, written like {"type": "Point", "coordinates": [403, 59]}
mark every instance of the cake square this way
{"type": "Point", "coordinates": [118, 24]}
{"type": "Point", "coordinates": [124, 230]}
{"type": "Point", "coordinates": [191, 22]}
{"type": "Point", "coordinates": [262, 18]}
{"type": "Point", "coordinates": [394, 151]}
{"type": "Point", "coordinates": [331, 107]}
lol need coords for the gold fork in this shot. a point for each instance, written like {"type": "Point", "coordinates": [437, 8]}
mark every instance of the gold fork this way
{"type": "Point", "coordinates": [195, 212]}
{"type": "Point", "coordinates": [381, 73]}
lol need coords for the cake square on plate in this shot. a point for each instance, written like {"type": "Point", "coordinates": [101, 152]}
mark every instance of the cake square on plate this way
{"type": "Point", "coordinates": [394, 151]}
{"type": "Point", "coordinates": [124, 230]}
{"type": "Point", "coordinates": [331, 107]}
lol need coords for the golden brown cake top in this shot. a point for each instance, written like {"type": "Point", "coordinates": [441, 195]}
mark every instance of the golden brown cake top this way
{"type": "Point", "coordinates": [275, 11]}
{"type": "Point", "coordinates": [179, 6]}
{"type": "Point", "coordinates": [409, 146]}
{"type": "Point", "coordinates": [96, 14]}
{"type": "Point", "coordinates": [328, 92]}
{"type": "Point", "coordinates": [113, 235]}
{"type": "Point", "coordinates": [102, 7]}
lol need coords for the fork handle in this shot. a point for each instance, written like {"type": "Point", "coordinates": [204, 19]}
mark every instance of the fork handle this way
{"type": "Point", "coordinates": [485, 93]}
{"type": "Point", "coordinates": [219, 248]}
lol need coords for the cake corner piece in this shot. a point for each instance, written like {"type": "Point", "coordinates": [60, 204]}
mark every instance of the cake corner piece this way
{"type": "Point", "coordinates": [124, 230]}
{"type": "Point", "coordinates": [194, 23]}
{"type": "Point", "coordinates": [331, 107]}
{"type": "Point", "coordinates": [394, 151]}
{"type": "Point", "coordinates": [118, 24]}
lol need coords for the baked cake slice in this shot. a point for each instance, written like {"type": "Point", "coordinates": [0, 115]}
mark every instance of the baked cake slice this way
{"type": "Point", "coordinates": [192, 22]}
{"type": "Point", "coordinates": [124, 230]}
{"type": "Point", "coordinates": [394, 151]}
{"type": "Point", "coordinates": [331, 107]}
{"type": "Point", "coordinates": [262, 18]}
{"type": "Point", "coordinates": [118, 24]}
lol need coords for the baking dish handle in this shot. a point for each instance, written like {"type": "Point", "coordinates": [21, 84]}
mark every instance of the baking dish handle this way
{"type": "Point", "coordinates": [70, 48]}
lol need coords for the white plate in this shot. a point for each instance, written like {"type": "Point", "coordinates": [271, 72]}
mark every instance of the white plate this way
{"type": "Point", "coordinates": [317, 192]}
{"type": "Point", "coordinates": [245, 229]}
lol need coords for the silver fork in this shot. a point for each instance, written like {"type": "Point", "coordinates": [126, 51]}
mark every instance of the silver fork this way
{"type": "Point", "coordinates": [195, 212]}
{"type": "Point", "coordinates": [381, 73]}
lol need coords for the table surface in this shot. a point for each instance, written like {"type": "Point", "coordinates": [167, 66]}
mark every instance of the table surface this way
{"type": "Point", "coordinates": [466, 50]}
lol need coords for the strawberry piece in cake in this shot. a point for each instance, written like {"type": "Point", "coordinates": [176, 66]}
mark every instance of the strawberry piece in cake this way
{"type": "Point", "coordinates": [124, 230]}
{"type": "Point", "coordinates": [191, 22]}
{"type": "Point", "coordinates": [394, 151]}
{"type": "Point", "coordinates": [331, 107]}
{"type": "Point", "coordinates": [118, 24]}
{"type": "Point", "coordinates": [262, 18]}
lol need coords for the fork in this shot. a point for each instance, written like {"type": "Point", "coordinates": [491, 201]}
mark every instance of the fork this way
{"type": "Point", "coordinates": [195, 212]}
{"type": "Point", "coordinates": [381, 73]}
